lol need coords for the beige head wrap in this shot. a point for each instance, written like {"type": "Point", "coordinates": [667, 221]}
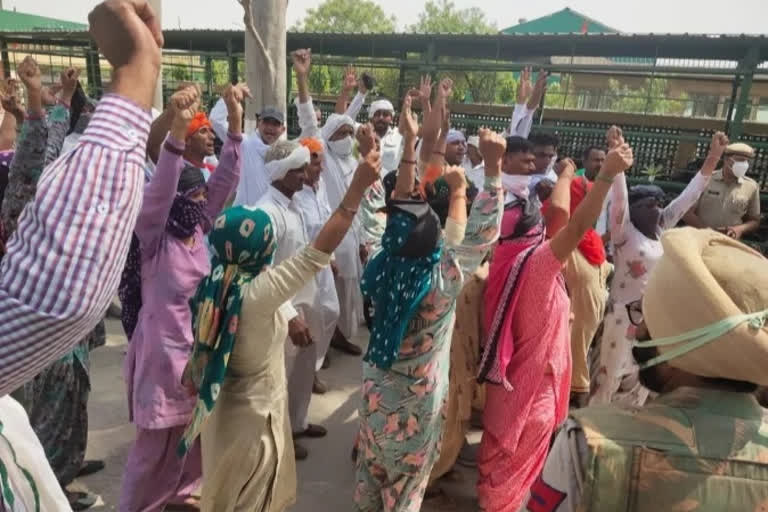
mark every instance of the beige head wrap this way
{"type": "Point", "coordinates": [704, 278]}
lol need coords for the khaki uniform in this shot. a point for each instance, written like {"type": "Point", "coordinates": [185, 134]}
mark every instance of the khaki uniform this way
{"type": "Point", "coordinates": [691, 449]}
{"type": "Point", "coordinates": [726, 204]}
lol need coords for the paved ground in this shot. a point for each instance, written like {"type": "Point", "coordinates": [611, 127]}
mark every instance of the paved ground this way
{"type": "Point", "coordinates": [325, 478]}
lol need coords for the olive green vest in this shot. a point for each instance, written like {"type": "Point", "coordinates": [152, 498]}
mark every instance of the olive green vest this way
{"type": "Point", "coordinates": [690, 450]}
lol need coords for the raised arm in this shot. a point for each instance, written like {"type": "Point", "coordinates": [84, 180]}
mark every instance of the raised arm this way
{"type": "Point", "coordinates": [687, 200]}
{"type": "Point", "coordinates": [305, 107]}
{"type": "Point", "coordinates": [618, 160]}
{"type": "Point", "coordinates": [409, 127]}
{"type": "Point", "coordinates": [218, 118]}
{"type": "Point", "coordinates": [433, 122]}
{"type": "Point", "coordinates": [484, 221]}
{"type": "Point", "coordinates": [558, 210]}
{"type": "Point", "coordinates": [223, 182]}
{"type": "Point", "coordinates": [29, 159]}
{"type": "Point", "coordinates": [334, 230]}
{"type": "Point", "coordinates": [64, 262]}
{"type": "Point", "coordinates": [161, 191]}
{"type": "Point", "coordinates": [59, 115]}
{"type": "Point", "coordinates": [347, 86]}
{"type": "Point", "coordinates": [618, 213]}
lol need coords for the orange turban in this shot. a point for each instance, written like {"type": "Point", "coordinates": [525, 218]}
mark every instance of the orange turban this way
{"type": "Point", "coordinates": [312, 144]}
{"type": "Point", "coordinates": [199, 121]}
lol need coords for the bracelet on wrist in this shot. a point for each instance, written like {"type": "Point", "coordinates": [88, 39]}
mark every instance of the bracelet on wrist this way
{"type": "Point", "coordinates": [604, 179]}
{"type": "Point", "coordinates": [347, 211]}
{"type": "Point", "coordinates": [438, 153]}
{"type": "Point", "coordinates": [408, 162]}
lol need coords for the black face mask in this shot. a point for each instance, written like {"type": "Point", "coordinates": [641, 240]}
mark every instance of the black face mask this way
{"type": "Point", "coordinates": [646, 220]}
{"type": "Point", "coordinates": [425, 234]}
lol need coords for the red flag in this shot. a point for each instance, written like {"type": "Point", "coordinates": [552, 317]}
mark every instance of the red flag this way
{"type": "Point", "coordinates": [585, 27]}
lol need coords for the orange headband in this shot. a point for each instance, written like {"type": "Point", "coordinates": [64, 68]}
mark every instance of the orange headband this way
{"type": "Point", "coordinates": [312, 144]}
{"type": "Point", "coordinates": [199, 121]}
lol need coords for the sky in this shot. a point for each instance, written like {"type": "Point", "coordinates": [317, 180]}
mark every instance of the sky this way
{"type": "Point", "coordinates": [657, 16]}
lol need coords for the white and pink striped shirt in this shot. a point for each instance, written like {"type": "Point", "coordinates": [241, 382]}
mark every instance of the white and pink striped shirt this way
{"type": "Point", "coordinates": [64, 261]}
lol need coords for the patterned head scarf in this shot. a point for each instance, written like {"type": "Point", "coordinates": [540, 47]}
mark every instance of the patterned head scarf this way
{"type": "Point", "coordinates": [243, 244]}
{"type": "Point", "coordinates": [398, 278]}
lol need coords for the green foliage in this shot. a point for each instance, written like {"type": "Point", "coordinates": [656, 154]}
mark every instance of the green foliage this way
{"type": "Point", "coordinates": [347, 16]}
{"type": "Point", "coordinates": [442, 17]}
{"type": "Point", "coordinates": [651, 98]}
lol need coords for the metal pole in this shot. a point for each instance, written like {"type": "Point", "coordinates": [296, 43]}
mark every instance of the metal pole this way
{"type": "Point", "coordinates": [748, 65]}
{"type": "Point", "coordinates": [157, 101]}
{"type": "Point", "coordinates": [6, 59]}
{"type": "Point", "coordinates": [732, 104]}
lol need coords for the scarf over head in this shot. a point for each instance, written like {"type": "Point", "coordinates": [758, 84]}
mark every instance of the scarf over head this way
{"type": "Point", "coordinates": [243, 245]}
{"type": "Point", "coordinates": [379, 105]}
{"type": "Point", "coordinates": [199, 121]}
{"type": "Point", "coordinates": [455, 136]}
{"type": "Point", "coordinates": [278, 169]}
{"type": "Point", "coordinates": [333, 123]}
{"type": "Point", "coordinates": [706, 306]}
{"type": "Point", "coordinates": [183, 218]}
{"type": "Point", "coordinates": [522, 231]}
{"type": "Point", "coordinates": [312, 144]}
{"type": "Point", "coordinates": [398, 278]}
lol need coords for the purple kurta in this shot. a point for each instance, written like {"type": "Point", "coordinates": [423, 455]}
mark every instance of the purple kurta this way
{"type": "Point", "coordinates": [170, 273]}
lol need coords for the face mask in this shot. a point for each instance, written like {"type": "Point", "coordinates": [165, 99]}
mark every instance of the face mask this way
{"type": "Point", "coordinates": [341, 147]}
{"type": "Point", "coordinates": [739, 169]}
{"type": "Point", "coordinates": [516, 184]}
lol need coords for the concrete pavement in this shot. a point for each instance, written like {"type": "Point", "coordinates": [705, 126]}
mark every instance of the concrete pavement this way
{"type": "Point", "coordinates": [326, 478]}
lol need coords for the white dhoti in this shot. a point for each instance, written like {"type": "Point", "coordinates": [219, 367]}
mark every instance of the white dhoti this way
{"type": "Point", "coordinates": [350, 270]}
{"type": "Point", "coordinates": [302, 363]}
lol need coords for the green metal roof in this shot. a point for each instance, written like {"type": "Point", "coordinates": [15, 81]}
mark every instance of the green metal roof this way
{"type": "Point", "coordinates": [12, 21]}
{"type": "Point", "coordinates": [566, 21]}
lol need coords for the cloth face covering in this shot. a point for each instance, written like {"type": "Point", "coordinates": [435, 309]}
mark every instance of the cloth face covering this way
{"type": "Point", "coordinates": [182, 222]}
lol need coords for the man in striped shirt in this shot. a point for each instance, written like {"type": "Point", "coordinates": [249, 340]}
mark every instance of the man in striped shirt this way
{"type": "Point", "coordinates": [64, 261]}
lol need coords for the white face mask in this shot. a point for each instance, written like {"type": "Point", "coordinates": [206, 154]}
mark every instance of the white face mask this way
{"type": "Point", "coordinates": [342, 147]}
{"type": "Point", "coordinates": [739, 169]}
{"type": "Point", "coordinates": [517, 184]}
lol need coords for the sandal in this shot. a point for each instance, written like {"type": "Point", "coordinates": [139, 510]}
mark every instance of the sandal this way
{"type": "Point", "coordinates": [90, 467]}
{"type": "Point", "coordinates": [80, 500]}
{"type": "Point", "coordinates": [313, 432]}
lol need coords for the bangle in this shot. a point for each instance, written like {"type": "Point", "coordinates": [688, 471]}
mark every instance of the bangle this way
{"type": "Point", "coordinates": [438, 153]}
{"type": "Point", "coordinates": [348, 211]}
{"type": "Point", "coordinates": [458, 196]}
{"type": "Point", "coordinates": [409, 162]}
{"type": "Point", "coordinates": [603, 178]}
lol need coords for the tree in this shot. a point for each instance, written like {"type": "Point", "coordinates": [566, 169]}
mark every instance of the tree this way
{"type": "Point", "coordinates": [265, 50]}
{"type": "Point", "coordinates": [347, 16]}
{"type": "Point", "coordinates": [442, 17]}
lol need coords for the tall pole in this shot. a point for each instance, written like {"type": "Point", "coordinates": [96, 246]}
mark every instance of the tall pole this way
{"type": "Point", "coordinates": [157, 101]}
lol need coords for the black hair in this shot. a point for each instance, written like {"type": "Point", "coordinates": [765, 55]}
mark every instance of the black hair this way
{"type": "Point", "coordinates": [544, 139]}
{"type": "Point", "coordinates": [589, 149]}
{"type": "Point", "coordinates": [439, 197]}
{"type": "Point", "coordinates": [517, 144]}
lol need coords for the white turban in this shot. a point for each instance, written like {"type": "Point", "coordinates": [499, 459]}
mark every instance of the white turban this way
{"type": "Point", "coordinates": [455, 136]}
{"type": "Point", "coordinates": [474, 140]}
{"type": "Point", "coordinates": [380, 105]}
{"type": "Point", "coordinates": [277, 169]}
{"type": "Point", "coordinates": [334, 122]}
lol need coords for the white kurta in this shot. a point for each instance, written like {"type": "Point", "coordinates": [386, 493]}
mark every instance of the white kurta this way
{"type": "Point", "coordinates": [28, 471]}
{"type": "Point", "coordinates": [337, 175]}
{"type": "Point", "coordinates": [292, 236]}
{"type": "Point", "coordinates": [254, 180]}
{"type": "Point", "coordinates": [316, 211]}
